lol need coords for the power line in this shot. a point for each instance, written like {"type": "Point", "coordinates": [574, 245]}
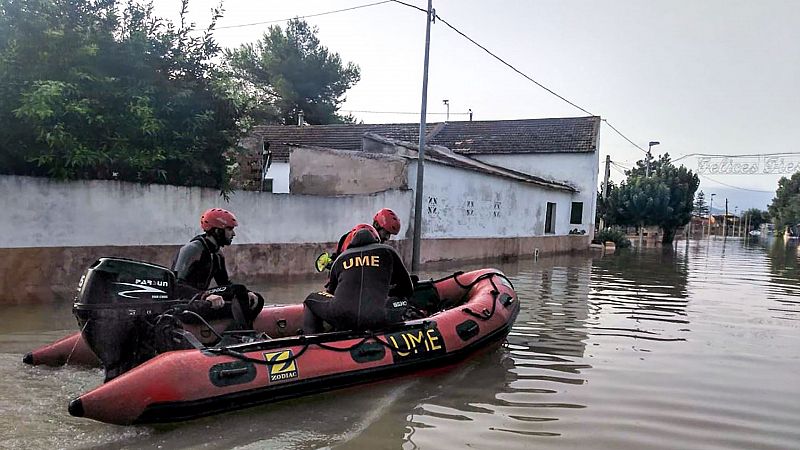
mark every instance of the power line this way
{"type": "Point", "coordinates": [520, 72]}
{"type": "Point", "coordinates": [734, 187]}
{"type": "Point", "coordinates": [623, 136]}
{"type": "Point", "coordinates": [620, 165]}
{"type": "Point", "coordinates": [511, 67]}
{"type": "Point", "coordinates": [401, 112]}
{"type": "Point", "coordinates": [457, 31]}
{"type": "Point", "coordinates": [412, 6]}
{"type": "Point", "coordinates": [621, 172]}
{"type": "Point", "coordinates": [306, 16]}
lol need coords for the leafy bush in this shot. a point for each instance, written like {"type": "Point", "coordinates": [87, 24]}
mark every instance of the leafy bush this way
{"type": "Point", "coordinates": [615, 236]}
{"type": "Point", "coordinates": [103, 89]}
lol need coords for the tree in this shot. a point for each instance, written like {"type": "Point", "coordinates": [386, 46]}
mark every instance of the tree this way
{"type": "Point", "coordinates": [106, 90]}
{"type": "Point", "coordinates": [289, 72]}
{"type": "Point", "coordinates": [700, 206]}
{"type": "Point", "coordinates": [638, 201]}
{"type": "Point", "coordinates": [756, 217]}
{"type": "Point", "coordinates": [785, 207]}
{"type": "Point", "coordinates": [664, 199]}
{"type": "Point", "coordinates": [601, 211]}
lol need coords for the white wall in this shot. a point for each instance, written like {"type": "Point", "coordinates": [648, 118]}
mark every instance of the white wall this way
{"type": "Point", "coordinates": [578, 169]}
{"type": "Point", "coordinates": [38, 212]}
{"type": "Point", "coordinates": [279, 172]}
{"type": "Point", "coordinates": [469, 204]}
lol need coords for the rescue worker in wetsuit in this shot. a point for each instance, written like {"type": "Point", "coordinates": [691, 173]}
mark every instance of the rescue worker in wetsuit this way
{"type": "Point", "coordinates": [200, 261]}
{"type": "Point", "coordinates": [385, 222]}
{"type": "Point", "coordinates": [368, 289]}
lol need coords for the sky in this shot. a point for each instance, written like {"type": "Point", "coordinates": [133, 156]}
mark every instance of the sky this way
{"type": "Point", "coordinates": [698, 76]}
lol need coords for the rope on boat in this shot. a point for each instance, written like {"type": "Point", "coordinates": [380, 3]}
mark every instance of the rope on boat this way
{"type": "Point", "coordinates": [486, 314]}
{"type": "Point", "coordinates": [241, 356]}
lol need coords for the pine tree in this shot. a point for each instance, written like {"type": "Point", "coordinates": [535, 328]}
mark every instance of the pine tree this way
{"type": "Point", "coordinates": [700, 206]}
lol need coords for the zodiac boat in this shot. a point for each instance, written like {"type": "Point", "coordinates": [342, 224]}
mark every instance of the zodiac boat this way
{"type": "Point", "coordinates": [475, 310]}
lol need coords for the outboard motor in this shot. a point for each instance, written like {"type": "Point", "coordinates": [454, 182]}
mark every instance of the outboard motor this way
{"type": "Point", "coordinates": [117, 302]}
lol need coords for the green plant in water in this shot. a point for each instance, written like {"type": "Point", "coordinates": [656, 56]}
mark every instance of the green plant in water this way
{"type": "Point", "coordinates": [615, 236]}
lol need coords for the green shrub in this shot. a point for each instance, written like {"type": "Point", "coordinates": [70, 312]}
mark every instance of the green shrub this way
{"type": "Point", "coordinates": [615, 236]}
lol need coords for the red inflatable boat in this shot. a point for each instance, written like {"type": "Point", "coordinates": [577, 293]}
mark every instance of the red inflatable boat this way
{"type": "Point", "coordinates": [184, 384]}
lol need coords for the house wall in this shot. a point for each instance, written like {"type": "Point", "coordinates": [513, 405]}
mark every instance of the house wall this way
{"type": "Point", "coordinates": [279, 172]}
{"type": "Point", "coordinates": [465, 204]}
{"type": "Point", "coordinates": [338, 172]}
{"type": "Point", "coordinates": [578, 169]}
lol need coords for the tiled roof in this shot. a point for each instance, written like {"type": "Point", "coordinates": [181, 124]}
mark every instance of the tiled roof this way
{"type": "Point", "coordinates": [560, 135]}
{"type": "Point", "coordinates": [467, 163]}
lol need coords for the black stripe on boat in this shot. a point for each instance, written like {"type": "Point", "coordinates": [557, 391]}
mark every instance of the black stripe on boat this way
{"type": "Point", "coordinates": [176, 411]}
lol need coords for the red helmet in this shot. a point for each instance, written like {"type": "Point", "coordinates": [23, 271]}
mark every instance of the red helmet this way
{"type": "Point", "coordinates": [355, 230]}
{"type": "Point", "coordinates": [387, 219]}
{"type": "Point", "coordinates": [217, 218]}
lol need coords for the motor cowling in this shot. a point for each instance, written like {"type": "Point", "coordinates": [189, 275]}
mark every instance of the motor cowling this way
{"type": "Point", "coordinates": [117, 301]}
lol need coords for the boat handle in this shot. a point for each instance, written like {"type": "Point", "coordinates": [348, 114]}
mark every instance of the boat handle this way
{"type": "Point", "coordinates": [233, 372]}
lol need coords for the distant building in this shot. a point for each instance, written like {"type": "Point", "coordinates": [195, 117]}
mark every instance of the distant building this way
{"type": "Point", "coordinates": [504, 179]}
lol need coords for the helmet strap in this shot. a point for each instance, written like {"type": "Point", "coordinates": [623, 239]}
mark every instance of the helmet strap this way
{"type": "Point", "coordinates": [218, 234]}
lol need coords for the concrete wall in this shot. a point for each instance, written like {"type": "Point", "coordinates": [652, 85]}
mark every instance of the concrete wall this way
{"type": "Point", "coordinates": [465, 204]}
{"type": "Point", "coordinates": [43, 213]}
{"type": "Point", "coordinates": [339, 172]}
{"type": "Point", "coordinates": [578, 169]}
{"type": "Point", "coordinates": [51, 231]}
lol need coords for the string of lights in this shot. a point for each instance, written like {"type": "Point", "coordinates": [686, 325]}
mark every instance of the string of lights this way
{"type": "Point", "coordinates": [750, 155]}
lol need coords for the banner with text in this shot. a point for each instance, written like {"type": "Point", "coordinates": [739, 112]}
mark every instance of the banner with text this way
{"type": "Point", "coordinates": [749, 165]}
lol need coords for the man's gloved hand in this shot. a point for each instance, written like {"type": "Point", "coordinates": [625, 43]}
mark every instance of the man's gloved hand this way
{"type": "Point", "coordinates": [216, 301]}
{"type": "Point", "coordinates": [252, 299]}
{"type": "Point", "coordinates": [323, 262]}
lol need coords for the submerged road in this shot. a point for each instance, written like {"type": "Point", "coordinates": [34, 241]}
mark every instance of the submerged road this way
{"type": "Point", "coordinates": [696, 346]}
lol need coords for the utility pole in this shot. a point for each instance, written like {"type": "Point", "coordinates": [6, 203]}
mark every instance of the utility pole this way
{"type": "Point", "coordinates": [725, 221]}
{"type": "Point", "coordinates": [447, 104]}
{"type": "Point", "coordinates": [746, 227]}
{"type": "Point", "coordinates": [740, 227]}
{"type": "Point", "coordinates": [415, 257]}
{"type": "Point", "coordinates": [647, 158]}
{"type": "Point", "coordinates": [647, 175]}
{"type": "Point", "coordinates": [710, 213]}
{"type": "Point", "coordinates": [606, 174]}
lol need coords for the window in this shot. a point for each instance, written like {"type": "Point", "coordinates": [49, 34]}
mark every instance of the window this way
{"type": "Point", "coordinates": [576, 215]}
{"type": "Point", "coordinates": [550, 219]}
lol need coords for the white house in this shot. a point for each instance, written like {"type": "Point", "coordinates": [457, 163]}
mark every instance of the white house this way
{"type": "Point", "coordinates": [506, 179]}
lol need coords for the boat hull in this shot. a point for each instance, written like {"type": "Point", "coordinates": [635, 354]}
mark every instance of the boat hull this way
{"type": "Point", "coordinates": [186, 384]}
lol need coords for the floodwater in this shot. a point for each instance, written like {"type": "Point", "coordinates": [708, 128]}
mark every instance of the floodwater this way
{"type": "Point", "coordinates": [691, 347]}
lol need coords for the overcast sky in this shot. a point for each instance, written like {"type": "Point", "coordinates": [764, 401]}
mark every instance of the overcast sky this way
{"type": "Point", "coordinates": [700, 76]}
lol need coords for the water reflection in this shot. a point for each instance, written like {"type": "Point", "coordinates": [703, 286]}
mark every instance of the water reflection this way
{"type": "Point", "coordinates": [646, 288]}
{"type": "Point", "coordinates": [784, 288]}
{"type": "Point", "coordinates": [687, 347]}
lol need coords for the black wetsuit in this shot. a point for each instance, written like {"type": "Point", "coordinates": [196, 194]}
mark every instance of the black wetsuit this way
{"type": "Point", "coordinates": [361, 280]}
{"type": "Point", "coordinates": [195, 265]}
